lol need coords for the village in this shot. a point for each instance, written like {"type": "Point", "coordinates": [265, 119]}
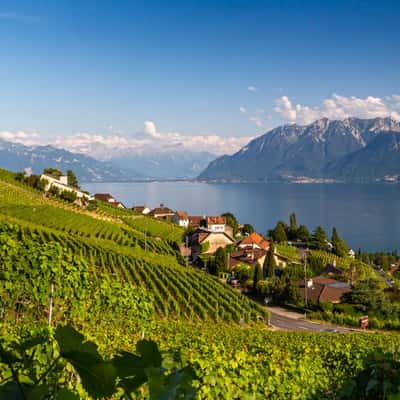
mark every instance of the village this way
{"type": "Point", "coordinates": [242, 251]}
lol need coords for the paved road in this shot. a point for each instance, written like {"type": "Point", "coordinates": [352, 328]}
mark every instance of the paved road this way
{"type": "Point", "coordinates": [290, 321]}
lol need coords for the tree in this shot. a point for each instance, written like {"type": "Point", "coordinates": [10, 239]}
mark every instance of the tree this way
{"type": "Point", "coordinates": [232, 222]}
{"type": "Point", "coordinates": [319, 240]}
{"type": "Point", "coordinates": [365, 296]}
{"type": "Point", "coordinates": [247, 229]}
{"type": "Point", "coordinates": [290, 293]}
{"type": "Point", "coordinates": [220, 259]}
{"type": "Point", "coordinates": [340, 248]}
{"type": "Point", "coordinates": [258, 276]}
{"type": "Point", "coordinates": [269, 262]}
{"type": "Point", "coordinates": [292, 231]}
{"type": "Point", "coordinates": [279, 232]}
{"type": "Point", "coordinates": [54, 172]}
{"type": "Point", "coordinates": [68, 196]}
{"type": "Point", "coordinates": [72, 179]}
{"type": "Point", "coordinates": [303, 234]}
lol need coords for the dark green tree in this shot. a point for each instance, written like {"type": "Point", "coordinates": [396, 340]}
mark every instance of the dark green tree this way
{"type": "Point", "coordinates": [340, 248]}
{"type": "Point", "coordinates": [220, 260]}
{"type": "Point", "coordinates": [54, 172]}
{"type": "Point", "coordinates": [231, 221]}
{"type": "Point", "coordinates": [258, 276]}
{"type": "Point", "coordinates": [269, 262]}
{"type": "Point", "coordinates": [72, 179]}
{"type": "Point", "coordinates": [319, 240]}
{"type": "Point", "coordinates": [303, 234]}
{"type": "Point", "coordinates": [278, 234]}
{"type": "Point", "coordinates": [247, 229]}
{"type": "Point", "coordinates": [292, 231]}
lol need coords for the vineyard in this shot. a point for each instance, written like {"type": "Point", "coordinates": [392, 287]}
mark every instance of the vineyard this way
{"type": "Point", "coordinates": [364, 271]}
{"type": "Point", "coordinates": [254, 363]}
{"type": "Point", "coordinates": [125, 252]}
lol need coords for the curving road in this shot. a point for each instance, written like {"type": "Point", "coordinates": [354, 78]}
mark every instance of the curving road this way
{"type": "Point", "coordinates": [282, 319]}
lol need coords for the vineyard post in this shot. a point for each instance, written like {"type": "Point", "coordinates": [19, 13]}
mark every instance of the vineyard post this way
{"type": "Point", "coordinates": [305, 284]}
{"type": "Point", "coordinates": [51, 303]}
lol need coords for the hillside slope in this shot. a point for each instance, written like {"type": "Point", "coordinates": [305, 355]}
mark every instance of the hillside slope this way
{"type": "Point", "coordinates": [115, 247]}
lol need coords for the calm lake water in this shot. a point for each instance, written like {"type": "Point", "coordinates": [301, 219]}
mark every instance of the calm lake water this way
{"type": "Point", "coordinates": [366, 216]}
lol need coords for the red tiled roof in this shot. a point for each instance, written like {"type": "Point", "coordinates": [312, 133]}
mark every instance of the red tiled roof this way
{"type": "Point", "coordinates": [324, 289]}
{"type": "Point", "coordinates": [246, 256]}
{"type": "Point", "coordinates": [116, 204]}
{"type": "Point", "coordinates": [195, 220]}
{"type": "Point", "coordinates": [182, 215]}
{"type": "Point", "coordinates": [103, 197]}
{"type": "Point", "coordinates": [161, 211]}
{"type": "Point", "coordinates": [255, 239]}
{"type": "Point", "coordinates": [216, 220]}
{"type": "Point", "coordinates": [333, 294]}
{"type": "Point", "coordinates": [138, 208]}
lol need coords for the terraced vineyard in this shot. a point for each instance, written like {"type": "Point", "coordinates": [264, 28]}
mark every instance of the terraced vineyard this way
{"type": "Point", "coordinates": [344, 263]}
{"type": "Point", "coordinates": [119, 249]}
{"type": "Point", "coordinates": [158, 229]}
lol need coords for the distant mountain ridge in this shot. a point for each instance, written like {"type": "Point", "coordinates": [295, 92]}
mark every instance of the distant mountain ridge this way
{"type": "Point", "coordinates": [168, 165]}
{"type": "Point", "coordinates": [17, 157]}
{"type": "Point", "coordinates": [353, 149]}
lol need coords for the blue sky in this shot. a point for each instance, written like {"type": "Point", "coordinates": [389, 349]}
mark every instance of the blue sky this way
{"type": "Point", "coordinates": [226, 68]}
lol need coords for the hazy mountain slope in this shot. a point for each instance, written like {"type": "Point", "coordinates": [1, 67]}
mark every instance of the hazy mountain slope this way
{"type": "Point", "coordinates": [172, 165]}
{"type": "Point", "coordinates": [379, 159]}
{"type": "Point", "coordinates": [293, 151]}
{"type": "Point", "coordinates": [18, 157]}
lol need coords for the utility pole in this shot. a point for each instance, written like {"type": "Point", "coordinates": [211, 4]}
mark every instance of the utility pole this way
{"type": "Point", "coordinates": [305, 284]}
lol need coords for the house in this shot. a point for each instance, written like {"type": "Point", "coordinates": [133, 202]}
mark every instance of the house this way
{"type": "Point", "coordinates": [105, 197]}
{"type": "Point", "coordinates": [141, 209]}
{"type": "Point", "coordinates": [61, 183]}
{"type": "Point", "coordinates": [110, 200]}
{"type": "Point", "coordinates": [162, 212]}
{"type": "Point", "coordinates": [216, 224]}
{"type": "Point", "coordinates": [323, 289]}
{"type": "Point", "coordinates": [117, 204]}
{"type": "Point", "coordinates": [331, 269]}
{"type": "Point", "coordinates": [352, 253]}
{"type": "Point", "coordinates": [254, 241]}
{"type": "Point", "coordinates": [211, 241]}
{"type": "Point", "coordinates": [196, 221]}
{"type": "Point", "coordinates": [248, 256]}
{"type": "Point", "coordinates": [181, 218]}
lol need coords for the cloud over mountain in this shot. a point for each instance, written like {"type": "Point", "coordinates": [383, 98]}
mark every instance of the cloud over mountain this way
{"type": "Point", "coordinates": [339, 107]}
{"type": "Point", "coordinates": [150, 140]}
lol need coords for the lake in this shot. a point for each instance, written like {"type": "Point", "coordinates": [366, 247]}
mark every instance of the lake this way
{"type": "Point", "coordinates": [366, 216]}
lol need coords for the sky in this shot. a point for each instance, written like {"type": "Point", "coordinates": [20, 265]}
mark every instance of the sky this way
{"type": "Point", "coordinates": [203, 74]}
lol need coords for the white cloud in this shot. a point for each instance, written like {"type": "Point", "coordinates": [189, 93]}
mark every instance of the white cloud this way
{"type": "Point", "coordinates": [27, 138]}
{"type": "Point", "coordinates": [106, 146]}
{"type": "Point", "coordinates": [150, 128]}
{"type": "Point", "coordinates": [243, 110]}
{"type": "Point", "coordinates": [339, 107]}
{"type": "Point", "coordinates": [252, 88]}
{"type": "Point", "coordinates": [256, 121]}
{"type": "Point", "coordinates": [149, 141]}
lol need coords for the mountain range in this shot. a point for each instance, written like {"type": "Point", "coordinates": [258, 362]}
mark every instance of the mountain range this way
{"type": "Point", "coordinates": [350, 150]}
{"type": "Point", "coordinates": [120, 166]}
{"type": "Point", "coordinates": [18, 157]}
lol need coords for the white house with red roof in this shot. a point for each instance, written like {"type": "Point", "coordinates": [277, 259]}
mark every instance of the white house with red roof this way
{"type": "Point", "coordinates": [181, 218]}
{"type": "Point", "coordinates": [254, 241]}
